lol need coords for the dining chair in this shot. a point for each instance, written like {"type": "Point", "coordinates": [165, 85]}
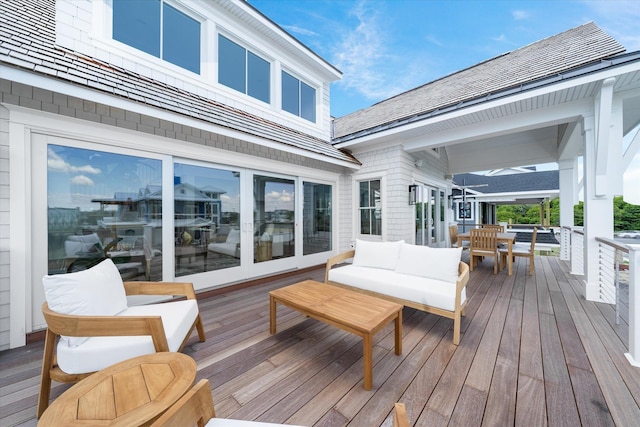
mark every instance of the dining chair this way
{"type": "Point", "coordinates": [497, 227]}
{"type": "Point", "coordinates": [91, 326]}
{"type": "Point", "coordinates": [453, 237]}
{"type": "Point", "coordinates": [483, 242]}
{"type": "Point", "coordinates": [522, 250]}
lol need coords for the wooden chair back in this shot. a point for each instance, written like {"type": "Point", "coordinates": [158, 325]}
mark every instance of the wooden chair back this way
{"type": "Point", "coordinates": [483, 242]}
{"type": "Point", "coordinates": [453, 235]}
{"type": "Point", "coordinates": [497, 227]}
{"type": "Point", "coordinates": [483, 239]}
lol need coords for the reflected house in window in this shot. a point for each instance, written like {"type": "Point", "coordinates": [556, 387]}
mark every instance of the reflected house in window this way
{"type": "Point", "coordinates": [197, 211]}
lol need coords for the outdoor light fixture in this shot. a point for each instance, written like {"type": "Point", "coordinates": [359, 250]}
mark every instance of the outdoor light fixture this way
{"type": "Point", "coordinates": [413, 190]}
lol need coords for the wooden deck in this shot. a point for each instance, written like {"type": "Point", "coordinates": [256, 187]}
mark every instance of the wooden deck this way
{"type": "Point", "coordinates": [533, 352]}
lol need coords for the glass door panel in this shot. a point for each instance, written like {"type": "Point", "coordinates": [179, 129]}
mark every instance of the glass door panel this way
{"type": "Point", "coordinates": [273, 218]}
{"type": "Point", "coordinates": [316, 218]}
{"type": "Point", "coordinates": [206, 219]}
{"type": "Point", "coordinates": [104, 205]}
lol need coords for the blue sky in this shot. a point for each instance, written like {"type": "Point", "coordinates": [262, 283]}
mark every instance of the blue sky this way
{"type": "Point", "coordinates": [385, 47]}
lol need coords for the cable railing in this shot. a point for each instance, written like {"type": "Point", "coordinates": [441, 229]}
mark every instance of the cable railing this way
{"type": "Point", "coordinates": [612, 258]}
{"type": "Point", "coordinates": [618, 279]}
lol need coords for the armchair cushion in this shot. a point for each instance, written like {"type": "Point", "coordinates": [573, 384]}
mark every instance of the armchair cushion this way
{"type": "Point", "coordinates": [97, 291]}
{"type": "Point", "coordinates": [99, 352]}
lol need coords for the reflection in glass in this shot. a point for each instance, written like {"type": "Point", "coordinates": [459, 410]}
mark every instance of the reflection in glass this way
{"type": "Point", "coordinates": [273, 217]}
{"type": "Point", "coordinates": [102, 205]}
{"type": "Point", "coordinates": [207, 219]}
{"type": "Point", "coordinates": [316, 218]}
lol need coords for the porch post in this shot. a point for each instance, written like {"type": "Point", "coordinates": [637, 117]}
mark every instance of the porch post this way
{"type": "Point", "coordinates": [634, 305]}
{"type": "Point", "coordinates": [602, 175]}
{"type": "Point", "coordinates": [568, 175]}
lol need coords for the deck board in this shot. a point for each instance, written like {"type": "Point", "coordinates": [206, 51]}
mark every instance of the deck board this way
{"type": "Point", "coordinates": [533, 351]}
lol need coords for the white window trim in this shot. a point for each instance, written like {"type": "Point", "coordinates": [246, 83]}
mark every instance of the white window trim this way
{"type": "Point", "coordinates": [355, 184]}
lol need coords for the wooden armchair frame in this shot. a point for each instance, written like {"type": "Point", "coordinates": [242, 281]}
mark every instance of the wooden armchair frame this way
{"type": "Point", "coordinates": [100, 326]}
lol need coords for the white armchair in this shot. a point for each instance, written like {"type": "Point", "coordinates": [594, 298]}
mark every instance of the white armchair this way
{"type": "Point", "coordinates": [90, 326]}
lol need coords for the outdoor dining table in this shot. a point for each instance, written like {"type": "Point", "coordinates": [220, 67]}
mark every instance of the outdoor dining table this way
{"type": "Point", "coordinates": [507, 238]}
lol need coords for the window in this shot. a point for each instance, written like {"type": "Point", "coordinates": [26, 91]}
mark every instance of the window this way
{"type": "Point", "coordinates": [159, 29]}
{"type": "Point", "coordinates": [243, 70]}
{"type": "Point", "coordinates": [298, 97]}
{"type": "Point", "coordinates": [370, 208]}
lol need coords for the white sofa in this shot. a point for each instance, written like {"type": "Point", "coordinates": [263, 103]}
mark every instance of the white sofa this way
{"type": "Point", "coordinates": [427, 279]}
{"type": "Point", "coordinates": [231, 246]}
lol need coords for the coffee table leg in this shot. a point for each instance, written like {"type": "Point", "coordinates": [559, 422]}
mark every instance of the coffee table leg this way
{"type": "Point", "coordinates": [399, 333]}
{"type": "Point", "coordinates": [272, 314]}
{"type": "Point", "coordinates": [367, 341]}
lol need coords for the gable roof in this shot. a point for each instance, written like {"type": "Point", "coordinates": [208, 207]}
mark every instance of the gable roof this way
{"type": "Point", "coordinates": [27, 42]}
{"type": "Point", "coordinates": [569, 50]}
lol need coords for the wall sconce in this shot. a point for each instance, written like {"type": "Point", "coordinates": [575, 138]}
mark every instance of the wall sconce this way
{"type": "Point", "coordinates": [413, 192]}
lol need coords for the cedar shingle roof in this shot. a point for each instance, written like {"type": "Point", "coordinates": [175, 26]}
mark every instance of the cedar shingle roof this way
{"type": "Point", "coordinates": [565, 51]}
{"type": "Point", "coordinates": [27, 41]}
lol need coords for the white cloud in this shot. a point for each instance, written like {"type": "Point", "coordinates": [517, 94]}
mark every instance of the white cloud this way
{"type": "Point", "coordinates": [299, 30]}
{"type": "Point", "coordinates": [278, 200]}
{"type": "Point", "coordinates": [368, 59]}
{"type": "Point", "coordinates": [519, 15]}
{"type": "Point", "coordinates": [58, 164]}
{"type": "Point", "coordinates": [82, 180]}
{"type": "Point", "coordinates": [619, 18]}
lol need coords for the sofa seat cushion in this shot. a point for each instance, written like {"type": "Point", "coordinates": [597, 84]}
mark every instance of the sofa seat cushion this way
{"type": "Point", "coordinates": [422, 290]}
{"type": "Point", "coordinates": [99, 352]}
{"type": "Point", "coordinates": [230, 249]}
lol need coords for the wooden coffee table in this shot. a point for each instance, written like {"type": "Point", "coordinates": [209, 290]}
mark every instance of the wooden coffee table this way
{"type": "Point", "coordinates": [130, 393]}
{"type": "Point", "coordinates": [351, 311]}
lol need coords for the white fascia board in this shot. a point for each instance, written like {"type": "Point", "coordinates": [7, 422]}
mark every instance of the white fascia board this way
{"type": "Point", "coordinates": [552, 87]}
{"type": "Point", "coordinates": [55, 85]}
{"type": "Point", "coordinates": [517, 195]}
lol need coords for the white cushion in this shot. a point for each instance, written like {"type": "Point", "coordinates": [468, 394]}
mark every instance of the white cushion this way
{"type": "Point", "coordinates": [377, 254]}
{"type": "Point", "coordinates": [224, 422]}
{"type": "Point", "coordinates": [99, 352]}
{"type": "Point", "coordinates": [434, 263]}
{"type": "Point", "coordinates": [97, 291]}
{"type": "Point", "coordinates": [422, 290]}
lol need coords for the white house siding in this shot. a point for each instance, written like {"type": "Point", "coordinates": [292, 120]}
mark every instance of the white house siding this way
{"type": "Point", "coordinates": [5, 308]}
{"type": "Point", "coordinates": [397, 170]}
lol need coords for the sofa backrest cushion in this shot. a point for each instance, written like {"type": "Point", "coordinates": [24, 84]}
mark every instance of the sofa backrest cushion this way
{"type": "Point", "coordinates": [434, 263]}
{"type": "Point", "coordinates": [377, 254]}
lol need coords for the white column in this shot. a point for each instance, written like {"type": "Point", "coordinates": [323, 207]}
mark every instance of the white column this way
{"type": "Point", "coordinates": [603, 139]}
{"type": "Point", "coordinates": [634, 306]}
{"type": "Point", "coordinates": [568, 175]}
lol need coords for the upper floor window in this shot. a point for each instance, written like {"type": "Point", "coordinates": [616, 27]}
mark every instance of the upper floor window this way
{"type": "Point", "coordinates": [159, 29]}
{"type": "Point", "coordinates": [370, 207]}
{"type": "Point", "coordinates": [242, 70]}
{"type": "Point", "coordinates": [298, 97]}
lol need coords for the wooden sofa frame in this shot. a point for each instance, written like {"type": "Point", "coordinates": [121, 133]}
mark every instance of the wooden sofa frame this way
{"type": "Point", "coordinates": [456, 315]}
{"type": "Point", "coordinates": [96, 326]}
